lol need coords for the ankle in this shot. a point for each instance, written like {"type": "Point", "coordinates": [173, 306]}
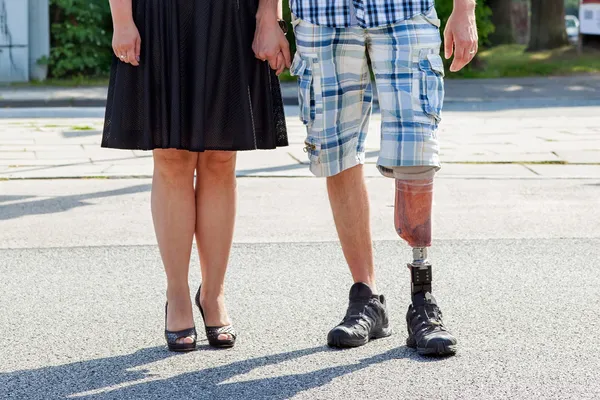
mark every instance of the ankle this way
{"type": "Point", "coordinates": [178, 291]}
{"type": "Point", "coordinates": [369, 282]}
{"type": "Point", "coordinates": [211, 296]}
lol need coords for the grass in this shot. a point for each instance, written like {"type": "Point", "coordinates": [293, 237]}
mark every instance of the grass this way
{"type": "Point", "coordinates": [511, 61]}
{"type": "Point", "coordinates": [82, 128]}
{"type": "Point", "coordinates": [549, 162]}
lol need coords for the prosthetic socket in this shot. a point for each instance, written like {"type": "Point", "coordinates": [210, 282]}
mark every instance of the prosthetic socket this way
{"type": "Point", "coordinates": [413, 208]}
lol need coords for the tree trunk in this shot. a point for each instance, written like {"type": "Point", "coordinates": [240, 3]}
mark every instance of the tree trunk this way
{"type": "Point", "coordinates": [548, 30]}
{"type": "Point", "coordinates": [503, 22]}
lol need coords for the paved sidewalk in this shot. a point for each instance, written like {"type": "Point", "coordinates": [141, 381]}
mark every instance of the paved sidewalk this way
{"type": "Point", "coordinates": [556, 142]}
{"type": "Point", "coordinates": [573, 88]}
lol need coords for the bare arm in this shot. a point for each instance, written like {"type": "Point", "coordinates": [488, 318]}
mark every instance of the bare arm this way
{"type": "Point", "coordinates": [270, 8]}
{"type": "Point", "coordinates": [461, 37]}
{"type": "Point", "coordinates": [126, 38]}
{"type": "Point", "coordinates": [270, 44]}
{"type": "Point", "coordinates": [121, 11]}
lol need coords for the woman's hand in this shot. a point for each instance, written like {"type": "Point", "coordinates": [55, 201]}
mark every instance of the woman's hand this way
{"type": "Point", "coordinates": [127, 43]}
{"type": "Point", "coordinates": [270, 44]}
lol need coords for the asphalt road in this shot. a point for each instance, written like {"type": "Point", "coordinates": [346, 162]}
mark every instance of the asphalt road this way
{"type": "Point", "coordinates": [516, 273]}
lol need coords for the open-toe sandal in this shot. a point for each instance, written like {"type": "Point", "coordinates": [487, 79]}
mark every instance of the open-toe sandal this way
{"type": "Point", "coordinates": [213, 332]}
{"type": "Point", "coordinates": [174, 337]}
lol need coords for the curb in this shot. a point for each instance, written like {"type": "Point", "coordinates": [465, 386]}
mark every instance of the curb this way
{"type": "Point", "coordinates": [89, 103]}
{"type": "Point", "coordinates": [293, 101]}
{"type": "Point", "coordinates": [39, 103]}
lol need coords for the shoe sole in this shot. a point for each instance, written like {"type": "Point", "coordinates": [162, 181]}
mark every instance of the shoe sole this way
{"type": "Point", "coordinates": [441, 350]}
{"type": "Point", "coordinates": [181, 349]}
{"type": "Point", "coordinates": [344, 344]}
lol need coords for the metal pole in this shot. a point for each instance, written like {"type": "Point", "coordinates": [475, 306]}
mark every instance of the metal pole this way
{"type": "Point", "coordinates": [39, 38]}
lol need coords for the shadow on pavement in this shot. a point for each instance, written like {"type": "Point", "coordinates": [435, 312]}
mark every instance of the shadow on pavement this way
{"type": "Point", "coordinates": [4, 199]}
{"type": "Point", "coordinates": [78, 134]}
{"type": "Point", "coordinates": [60, 203]}
{"type": "Point", "coordinates": [289, 167]}
{"type": "Point", "coordinates": [96, 379]}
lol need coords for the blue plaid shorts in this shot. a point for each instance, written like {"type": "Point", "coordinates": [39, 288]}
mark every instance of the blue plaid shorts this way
{"type": "Point", "coordinates": [336, 95]}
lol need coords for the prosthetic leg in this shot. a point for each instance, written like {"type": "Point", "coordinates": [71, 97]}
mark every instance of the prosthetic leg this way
{"type": "Point", "coordinates": [413, 208]}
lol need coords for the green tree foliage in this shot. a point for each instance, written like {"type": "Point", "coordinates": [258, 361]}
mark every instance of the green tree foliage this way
{"type": "Point", "coordinates": [572, 7]}
{"type": "Point", "coordinates": [80, 37]}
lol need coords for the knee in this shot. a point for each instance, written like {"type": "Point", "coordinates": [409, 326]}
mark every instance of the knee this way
{"type": "Point", "coordinates": [175, 164]}
{"type": "Point", "coordinates": [348, 176]}
{"type": "Point", "coordinates": [218, 164]}
{"type": "Point", "coordinates": [409, 173]}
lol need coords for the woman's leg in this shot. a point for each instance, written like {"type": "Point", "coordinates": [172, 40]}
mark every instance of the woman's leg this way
{"type": "Point", "coordinates": [174, 215]}
{"type": "Point", "coordinates": [215, 205]}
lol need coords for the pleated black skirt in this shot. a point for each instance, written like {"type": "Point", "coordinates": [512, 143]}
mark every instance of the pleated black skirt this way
{"type": "Point", "coordinates": [199, 86]}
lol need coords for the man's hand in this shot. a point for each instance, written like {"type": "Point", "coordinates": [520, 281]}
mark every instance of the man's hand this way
{"type": "Point", "coordinates": [270, 44]}
{"type": "Point", "coordinates": [460, 36]}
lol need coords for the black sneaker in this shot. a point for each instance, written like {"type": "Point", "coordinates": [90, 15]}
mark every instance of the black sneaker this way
{"type": "Point", "coordinates": [365, 319]}
{"type": "Point", "coordinates": [426, 330]}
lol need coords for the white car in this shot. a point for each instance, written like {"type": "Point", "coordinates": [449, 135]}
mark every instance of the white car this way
{"type": "Point", "coordinates": [572, 24]}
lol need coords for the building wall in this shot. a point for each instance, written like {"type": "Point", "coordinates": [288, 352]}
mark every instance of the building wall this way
{"type": "Point", "coordinates": [24, 39]}
{"type": "Point", "coordinates": [14, 40]}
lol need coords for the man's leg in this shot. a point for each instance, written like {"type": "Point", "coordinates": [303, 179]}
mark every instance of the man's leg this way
{"type": "Point", "coordinates": [409, 76]}
{"type": "Point", "coordinates": [335, 105]}
{"type": "Point", "coordinates": [350, 205]}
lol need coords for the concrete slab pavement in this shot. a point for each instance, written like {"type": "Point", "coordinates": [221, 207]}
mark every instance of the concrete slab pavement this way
{"type": "Point", "coordinates": [506, 142]}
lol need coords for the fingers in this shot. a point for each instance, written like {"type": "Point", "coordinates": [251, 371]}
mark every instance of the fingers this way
{"type": "Point", "coordinates": [464, 52]}
{"type": "Point", "coordinates": [131, 57]}
{"type": "Point", "coordinates": [129, 54]}
{"type": "Point", "coordinates": [122, 54]}
{"type": "Point", "coordinates": [460, 59]}
{"type": "Point", "coordinates": [448, 43]}
{"type": "Point", "coordinates": [273, 62]}
{"type": "Point", "coordinates": [281, 64]}
{"type": "Point", "coordinates": [285, 51]}
{"type": "Point", "coordinates": [256, 49]}
{"type": "Point", "coordinates": [138, 49]}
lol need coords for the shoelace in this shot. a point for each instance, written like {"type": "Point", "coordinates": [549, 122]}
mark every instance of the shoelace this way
{"type": "Point", "coordinates": [433, 318]}
{"type": "Point", "coordinates": [357, 311]}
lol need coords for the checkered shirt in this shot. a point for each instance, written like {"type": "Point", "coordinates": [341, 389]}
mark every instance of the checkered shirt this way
{"type": "Point", "coordinates": [364, 13]}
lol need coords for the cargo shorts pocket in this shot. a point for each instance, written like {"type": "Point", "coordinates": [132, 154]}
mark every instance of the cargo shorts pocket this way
{"type": "Point", "coordinates": [306, 95]}
{"type": "Point", "coordinates": [431, 68]}
{"type": "Point", "coordinates": [312, 147]}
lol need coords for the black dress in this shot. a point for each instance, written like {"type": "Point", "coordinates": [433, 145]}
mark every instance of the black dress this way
{"type": "Point", "coordinates": [199, 86]}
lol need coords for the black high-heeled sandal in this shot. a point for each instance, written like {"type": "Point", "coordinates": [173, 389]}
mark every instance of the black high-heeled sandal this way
{"type": "Point", "coordinates": [173, 337]}
{"type": "Point", "coordinates": [213, 332]}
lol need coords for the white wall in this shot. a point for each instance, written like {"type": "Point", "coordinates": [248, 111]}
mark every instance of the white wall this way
{"type": "Point", "coordinates": [39, 38]}
{"type": "Point", "coordinates": [14, 40]}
